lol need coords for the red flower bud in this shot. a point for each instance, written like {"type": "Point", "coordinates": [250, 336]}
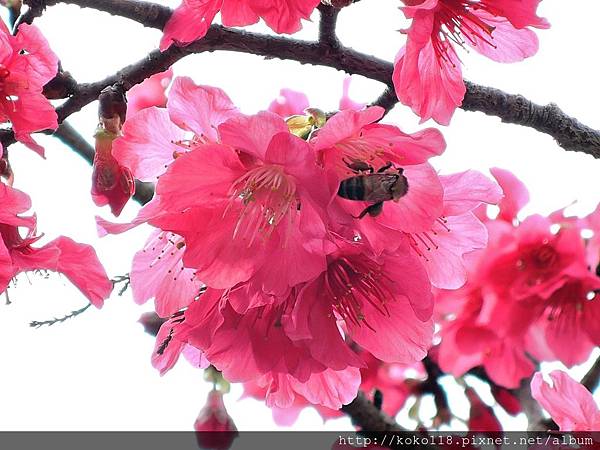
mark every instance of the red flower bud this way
{"type": "Point", "coordinates": [214, 427]}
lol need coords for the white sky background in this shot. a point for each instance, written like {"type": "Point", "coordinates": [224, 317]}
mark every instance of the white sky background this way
{"type": "Point", "coordinates": [93, 372]}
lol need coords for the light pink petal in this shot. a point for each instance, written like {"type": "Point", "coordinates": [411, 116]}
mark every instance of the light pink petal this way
{"type": "Point", "coordinates": [221, 261]}
{"type": "Point", "coordinates": [158, 272]}
{"type": "Point", "coordinates": [148, 143]}
{"type": "Point", "coordinates": [29, 113]}
{"type": "Point", "coordinates": [148, 93]}
{"type": "Point", "coordinates": [450, 241]}
{"type": "Point", "coordinates": [167, 349]}
{"type": "Point", "coordinates": [200, 109]}
{"type": "Point", "coordinates": [507, 44]}
{"type": "Point", "coordinates": [507, 364]}
{"type": "Point", "coordinates": [289, 103]}
{"type": "Point", "coordinates": [405, 149]}
{"type": "Point", "coordinates": [465, 191]}
{"type": "Point", "coordinates": [346, 102]}
{"type": "Point", "coordinates": [569, 404]}
{"type": "Point", "coordinates": [38, 64]}
{"type": "Point", "coordinates": [14, 202]}
{"type": "Point", "coordinates": [431, 86]}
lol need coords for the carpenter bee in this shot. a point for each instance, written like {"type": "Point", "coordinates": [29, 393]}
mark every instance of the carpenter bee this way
{"type": "Point", "coordinates": [376, 187]}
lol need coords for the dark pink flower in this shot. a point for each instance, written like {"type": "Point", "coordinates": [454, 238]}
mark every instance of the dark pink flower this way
{"type": "Point", "coordinates": [78, 262]}
{"type": "Point", "coordinates": [254, 345]}
{"type": "Point", "coordinates": [214, 426]}
{"type": "Point", "coordinates": [192, 19]}
{"type": "Point", "coordinates": [353, 136]}
{"type": "Point", "coordinates": [427, 75]}
{"type": "Point", "coordinates": [569, 404]}
{"type": "Point", "coordinates": [570, 319]}
{"type": "Point", "coordinates": [26, 64]}
{"type": "Point", "coordinates": [256, 198]}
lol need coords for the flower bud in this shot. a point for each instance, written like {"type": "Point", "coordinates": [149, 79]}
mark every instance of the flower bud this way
{"type": "Point", "coordinates": [112, 184]}
{"type": "Point", "coordinates": [214, 427]}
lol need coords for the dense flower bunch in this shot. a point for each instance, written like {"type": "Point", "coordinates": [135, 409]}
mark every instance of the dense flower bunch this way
{"type": "Point", "coordinates": [289, 272]}
{"type": "Point", "coordinates": [531, 293]}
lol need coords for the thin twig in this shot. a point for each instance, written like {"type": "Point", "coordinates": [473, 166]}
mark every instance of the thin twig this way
{"type": "Point", "coordinates": [50, 322]}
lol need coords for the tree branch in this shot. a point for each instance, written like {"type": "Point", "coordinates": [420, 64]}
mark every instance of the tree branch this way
{"type": "Point", "coordinates": [549, 119]}
{"type": "Point", "coordinates": [567, 131]}
{"type": "Point", "coordinates": [365, 415]}
{"type": "Point", "coordinates": [591, 380]}
{"type": "Point", "coordinates": [327, 35]}
{"type": "Point", "coordinates": [148, 14]}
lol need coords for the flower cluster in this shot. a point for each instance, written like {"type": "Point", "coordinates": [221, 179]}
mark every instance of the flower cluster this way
{"type": "Point", "coordinates": [531, 293]}
{"type": "Point", "coordinates": [289, 253]}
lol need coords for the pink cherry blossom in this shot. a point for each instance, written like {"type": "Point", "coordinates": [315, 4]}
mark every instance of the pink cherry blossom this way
{"type": "Point", "coordinates": [78, 262]}
{"type": "Point", "coordinates": [26, 64]}
{"type": "Point", "coordinates": [569, 404]}
{"type": "Point", "coordinates": [154, 136]}
{"type": "Point", "coordinates": [247, 202]}
{"type": "Point", "coordinates": [353, 136]}
{"type": "Point", "coordinates": [192, 19]}
{"type": "Point", "coordinates": [254, 346]}
{"type": "Point", "coordinates": [427, 74]}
